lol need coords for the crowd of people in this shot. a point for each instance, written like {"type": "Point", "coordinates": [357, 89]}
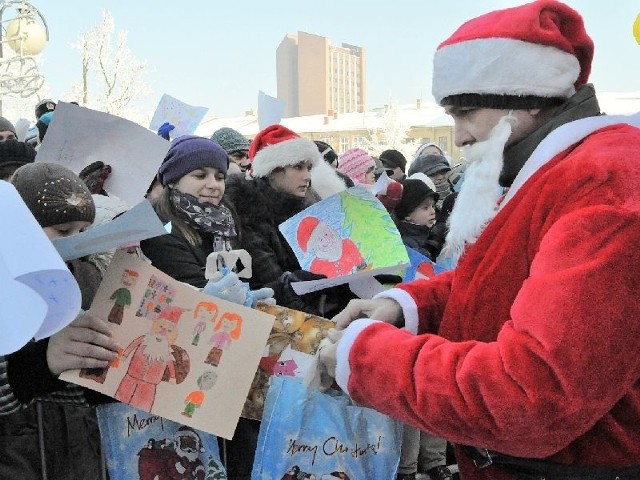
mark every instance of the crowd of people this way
{"type": "Point", "coordinates": [516, 363]}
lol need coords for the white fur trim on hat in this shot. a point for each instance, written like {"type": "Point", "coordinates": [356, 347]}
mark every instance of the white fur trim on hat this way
{"type": "Point", "coordinates": [325, 180]}
{"type": "Point", "coordinates": [503, 66]}
{"type": "Point", "coordinates": [284, 154]}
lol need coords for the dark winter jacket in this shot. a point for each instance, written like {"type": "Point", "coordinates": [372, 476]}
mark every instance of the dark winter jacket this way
{"type": "Point", "coordinates": [175, 256]}
{"type": "Point", "coordinates": [261, 209]}
{"type": "Point", "coordinates": [55, 436]}
{"type": "Point", "coordinates": [420, 238]}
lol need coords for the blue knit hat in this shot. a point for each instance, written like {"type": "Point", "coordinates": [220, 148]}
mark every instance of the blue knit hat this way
{"type": "Point", "coordinates": [188, 153]}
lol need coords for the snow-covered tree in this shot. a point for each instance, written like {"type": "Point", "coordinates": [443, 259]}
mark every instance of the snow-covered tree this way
{"type": "Point", "coordinates": [389, 133]}
{"type": "Point", "coordinates": [112, 77]}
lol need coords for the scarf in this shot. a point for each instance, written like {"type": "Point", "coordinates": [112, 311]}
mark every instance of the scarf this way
{"type": "Point", "coordinates": [214, 220]}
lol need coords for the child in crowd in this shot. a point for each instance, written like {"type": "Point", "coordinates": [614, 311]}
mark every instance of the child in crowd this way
{"type": "Point", "coordinates": [48, 429]}
{"type": "Point", "coordinates": [415, 215]}
{"type": "Point", "coordinates": [358, 165]}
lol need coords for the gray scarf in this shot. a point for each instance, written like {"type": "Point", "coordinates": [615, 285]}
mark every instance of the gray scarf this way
{"type": "Point", "coordinates": [215, 220]}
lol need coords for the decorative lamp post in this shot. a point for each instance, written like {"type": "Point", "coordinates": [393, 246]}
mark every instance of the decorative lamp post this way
{"type": "Point", "coordinates": [26, 34]}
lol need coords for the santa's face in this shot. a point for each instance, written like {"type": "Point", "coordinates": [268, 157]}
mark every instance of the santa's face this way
{"type": "Point", "coordinates": [162, 327]}
{"type": "Point", "coordinates": [326, 242]}
{"type": "Point", "coordinates": [474, 124]}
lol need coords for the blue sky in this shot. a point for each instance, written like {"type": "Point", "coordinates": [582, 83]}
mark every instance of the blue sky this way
{"type": "Point", "coordinates": [219, 54]}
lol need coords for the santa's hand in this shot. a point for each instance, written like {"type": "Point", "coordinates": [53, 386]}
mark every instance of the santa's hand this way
{"type": "Point", "coordinates": [84, 343]}
{"type": "Point", "coordinates": [228, 287]}
{"type": "Point", "coordinates": [383, 309]}
{"type": "Point", "coordinates": [327, 353]}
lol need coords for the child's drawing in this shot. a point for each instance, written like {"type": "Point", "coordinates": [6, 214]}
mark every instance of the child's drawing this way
{"type": "Point", "coordinates": [345, 234]}
{"type": "Point", "coordinates": [194, 399]}
{"type": "Point", "coordinates": [183, 357]}
{"type": "Point", "coordinates": [151, 355]}
{"type": "Point", "coordinates": [333, 256]}
{"type": "Point", "coordinates": [227, 329]}
{"type": "Point", "coordinates": [204, 312]}
{"type": "Point", "coordinates": [122, 296]}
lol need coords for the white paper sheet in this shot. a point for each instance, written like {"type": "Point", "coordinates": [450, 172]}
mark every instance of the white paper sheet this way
{"type": "Point", "coordinates": [39, 295]}
{"type": "Point", "coordinates": [270, 110]}
{"type": "Point", "coordinates": [139, 223]}
{"type": "Point", "coordinates": [78, 136]}
{"type": "Point", "coordinates": [185, 118]}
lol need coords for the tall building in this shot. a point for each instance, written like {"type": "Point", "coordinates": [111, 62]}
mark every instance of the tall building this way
{"type": "Point", "coordinates": [315, 77]}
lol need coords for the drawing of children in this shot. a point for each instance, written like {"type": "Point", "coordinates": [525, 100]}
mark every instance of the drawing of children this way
{"type": "Point", "coordinates": [194, 399]}
{"type": "Point", "coordinates": [228, 328]}
{"type": "Point", "coordinates": [334, 256]}
{"type": "Point", "coordinates": [122, 296]}
{"type": "Point", "coordinates": [204, 312]}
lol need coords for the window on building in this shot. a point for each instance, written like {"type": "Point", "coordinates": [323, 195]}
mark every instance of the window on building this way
{"type": "Point", "coordinates": [443, 143]}
{"type": "Point", "coordinates": [344, 144]}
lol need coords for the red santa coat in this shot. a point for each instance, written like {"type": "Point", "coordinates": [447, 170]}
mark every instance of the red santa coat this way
{"type": "Point", "coordinates": [538, 327]}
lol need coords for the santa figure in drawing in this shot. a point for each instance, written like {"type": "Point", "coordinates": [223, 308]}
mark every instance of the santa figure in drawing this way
{"type": "Point", "coordinates": [151, 355]}
{"type": "Point", "coordinates": [334, 256]}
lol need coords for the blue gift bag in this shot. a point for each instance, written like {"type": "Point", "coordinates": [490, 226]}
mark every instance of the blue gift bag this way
{"type": "Point", "coordinates": [142, 445]}
{"type": "Point", "coordinates": [310, 434]}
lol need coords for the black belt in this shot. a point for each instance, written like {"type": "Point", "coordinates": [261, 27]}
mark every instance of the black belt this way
{"type": "Point", "coordinates": [529, 469]}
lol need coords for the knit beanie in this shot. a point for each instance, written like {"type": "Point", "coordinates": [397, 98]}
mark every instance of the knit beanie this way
{"type": "Point", "coordinates": [277, 147]}
{"type": "Point", "coordinates": [424, 146]}
{"type": "Point", "coordinates": [6, 125]}
{"type": "Point", "coordinates": [423, 178]}
{"type": "Point", "coordinates": [429, 164]}
{"type": "Point", "coordinates": [188, 153]}
{"type": "Point", "coordinates": [43, 124]}
{"type": "Point", "coordinates": [14, 152]}
{"type": "Point", "coordinates": [414, 192]}
{"type": "Point", "coordinates": [355, 163]}
{"type": "Point", "coordinates": [230, 140]}
{"type": "Point", "coordinates": [54, 194]}
{"type": "Point", "coordinates": [44, 106]}
{"type": "Point", "coordinates": [531, 56]}
{"type": "Point", "coordinates": [392, 159]}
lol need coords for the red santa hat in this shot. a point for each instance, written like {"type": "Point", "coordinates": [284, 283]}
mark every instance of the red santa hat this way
{"type": "Point", "coordinates": [530, 56]}
{"type": "Point", "coordinates": [277, 146]}
{"type": "Point", "coordinates": [305, 229]}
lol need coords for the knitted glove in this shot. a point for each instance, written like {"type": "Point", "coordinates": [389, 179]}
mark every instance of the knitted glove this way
{"type": "Point", "coordinates": [164, 130]}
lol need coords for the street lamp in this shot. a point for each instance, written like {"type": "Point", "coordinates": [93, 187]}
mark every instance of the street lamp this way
{"type": "Point", "coordinates": [26, 34]}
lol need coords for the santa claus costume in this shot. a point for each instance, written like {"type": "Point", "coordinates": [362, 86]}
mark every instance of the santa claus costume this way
{"type": "Point", "coordinates": [527, 350]}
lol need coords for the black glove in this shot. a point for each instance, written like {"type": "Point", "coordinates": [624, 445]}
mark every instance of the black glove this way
{"type": "Point", "coordinates": [302, 276]}
{"type": "Point", "coordinates": [285, 295]}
